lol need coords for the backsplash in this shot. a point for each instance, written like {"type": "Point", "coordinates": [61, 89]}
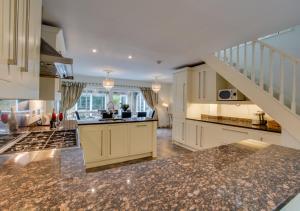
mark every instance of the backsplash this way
{"type": "Point", "coordinates": [246, 111]}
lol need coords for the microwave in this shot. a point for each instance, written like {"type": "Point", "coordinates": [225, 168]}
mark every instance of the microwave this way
{"type": "Point", "coordinates": [230, 95]}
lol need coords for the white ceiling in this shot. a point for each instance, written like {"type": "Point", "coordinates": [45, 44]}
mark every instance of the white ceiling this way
{"type": "Point", "coordinates": [174, 31]}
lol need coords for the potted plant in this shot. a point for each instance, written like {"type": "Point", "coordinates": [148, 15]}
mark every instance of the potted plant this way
{"type": "Point", "coordinates": [124, 107]}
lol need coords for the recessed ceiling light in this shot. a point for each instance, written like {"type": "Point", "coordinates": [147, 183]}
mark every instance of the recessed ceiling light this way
{"type": "Point", "coordinates": [94, 50]}
{"type": "Point", "coordinates": [130, 57]}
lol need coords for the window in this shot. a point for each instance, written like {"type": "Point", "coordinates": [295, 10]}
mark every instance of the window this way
{"type": "Point", "coordinates": [141, 105]}
{"type": "Point", "coordinates": [84, 102]}
{"type": "Point", "coordinates": [98, 102]}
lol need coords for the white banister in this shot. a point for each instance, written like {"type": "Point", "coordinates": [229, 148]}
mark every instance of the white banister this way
{"type": "Point", "coordinates": [238, 56]}
{"type": "Point", "coordinates": [253, 62]}
{"type": "Point", "coordinates": [271, 88]}
{"type": "Point", "coordinates": [261, 69]}
{"type": "Point", "coordinates": [294, 90]}
{"type": "Point", "coordinates": [281, 94]}
{"type": "Point", "coordinates": [230, 52]}
{"type": "Point", "coordinates": [245, 57]}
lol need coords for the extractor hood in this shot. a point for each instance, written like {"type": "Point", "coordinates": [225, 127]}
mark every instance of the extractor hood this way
{"type": "Point", "coordinates": [52, 63]}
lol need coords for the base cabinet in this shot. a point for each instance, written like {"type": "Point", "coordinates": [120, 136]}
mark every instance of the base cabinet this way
{"type": "Point", "coordinates": [178, 130]}
{"type": "Point", "coordinates": [113, 143]}
{"type": "Point", "coordinates": [201, 135]}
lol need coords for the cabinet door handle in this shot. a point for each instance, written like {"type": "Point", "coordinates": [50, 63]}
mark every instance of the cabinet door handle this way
{"type": "Point", "coordinates": [25, 67]}
{"type": "Point", "coordinates": [201, 135]}
{"type": "Point", "coordinates": [110, 142]}
{"type": "Point", "coordinates": [101, 142]}
{"type": "Point", "coordinates": [141, 125]}
{"type": "Point", "coordinates": [182, 131]}
{"type": "Point", "coordinates": [13, 60]}
{"type": "Point", "coordinates": [199, 87]}
{"type": "Point", "coordinates": [196, 134]}
{"type": "Point", "coordinates": [236, 131]}
{"type": "Point", "coordinates": [204, 84]}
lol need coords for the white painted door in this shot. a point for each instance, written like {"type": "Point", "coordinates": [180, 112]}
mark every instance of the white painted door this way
{"type": "Point", "coordinates": [93, 142]}
{"type": "Point", "coordinates": [117, 140]}
{"type": "Point", "coordinates": [139, 140]}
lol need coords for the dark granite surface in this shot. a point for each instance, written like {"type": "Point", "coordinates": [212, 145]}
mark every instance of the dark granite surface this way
{"type": "Point", "coordinates": [232, 177]}
{"type": "Point", "coordinates": [238, 124]}
{"type": "Point", "coordinates": [114, 121]}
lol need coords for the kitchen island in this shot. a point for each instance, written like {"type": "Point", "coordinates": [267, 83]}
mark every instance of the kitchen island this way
{"type": "Point", "coordinates": [240, 176]}
{"type": "Point", "coordinates": [109, 141]}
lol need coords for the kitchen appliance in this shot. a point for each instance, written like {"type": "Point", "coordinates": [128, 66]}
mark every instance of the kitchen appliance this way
{"type": "Point", "coordinates": [260, 120]}
{"type": "Point", "coordinates": [230, 95]}
{"type": "Point", "coordinates": [36, 141]}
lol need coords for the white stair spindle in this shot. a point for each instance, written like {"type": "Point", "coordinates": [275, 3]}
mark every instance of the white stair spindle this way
{"type": "Point", "coordinates": [271, 88]}
{"type": "Point", "coordinates": [294, 88]}
{"type": "Point", "coordinates": [281, 96]}
{"type": "Point", "coordinates": [230, 60]}
{"type": "Point", "coordinates": [238, 56]}
{"type": "Point", "coordinates": [261, 69]}
{"type": "Point", "coordinates": [245, 58]}
{"type": "Point", "coordinates": [253, 62]}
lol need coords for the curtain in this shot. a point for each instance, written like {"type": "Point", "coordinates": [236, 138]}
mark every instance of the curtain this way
{"type": "Point", "coordinates": [151, 99]}
{"type": "Point", "coordinates": [70, 93]}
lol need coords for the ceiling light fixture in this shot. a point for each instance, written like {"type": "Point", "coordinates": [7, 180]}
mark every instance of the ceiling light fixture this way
{"type": "Point", "coordinates": [94, 50]}
{"type": "Point", "coordinates": [130, 57]}
{"type": "Point", "coordinates": [156, 86]}
{"type": "Point", "coordinates": [108, 83]}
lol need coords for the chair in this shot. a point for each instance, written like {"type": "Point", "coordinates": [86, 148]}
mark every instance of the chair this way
{"type": "Point", "coordinates": [126, 114]}
{"type": "Point", "coordinates": [106, 115]}
{"type": "Point", "coordinates": [153, 114]}
{"type": "Point", "coordinates": [142, 114]}
{"type": "Point", "coordinates": [77, 115]}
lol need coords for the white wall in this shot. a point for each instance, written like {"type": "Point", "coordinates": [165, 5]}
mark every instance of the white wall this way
{"type": "Point", "coordinates": [164, 94]}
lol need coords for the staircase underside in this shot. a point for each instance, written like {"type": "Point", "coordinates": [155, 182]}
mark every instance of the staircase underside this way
{"type": "Point", "coordinates": [288, 120]}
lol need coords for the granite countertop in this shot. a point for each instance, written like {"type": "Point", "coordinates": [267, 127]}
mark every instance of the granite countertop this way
{"type": "Point", "coordinates": [232, 177]}
{"type": "Point", "coordinates": [114, 121]}
{"type": "Point", "coordinates": [236, 123]}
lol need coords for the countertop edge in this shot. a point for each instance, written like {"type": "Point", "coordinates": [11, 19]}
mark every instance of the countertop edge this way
{"type": "Point", "coordinates": [114, 122]}
{"type": "Point", "coordinates": [233, 125]}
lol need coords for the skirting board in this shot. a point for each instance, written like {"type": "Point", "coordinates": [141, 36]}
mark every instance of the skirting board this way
{"type": "Point", "coordinates": [117, 160]}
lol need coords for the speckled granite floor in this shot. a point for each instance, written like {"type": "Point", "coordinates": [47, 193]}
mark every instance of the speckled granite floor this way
{"type": "Point", "coordinates": [233, 177]}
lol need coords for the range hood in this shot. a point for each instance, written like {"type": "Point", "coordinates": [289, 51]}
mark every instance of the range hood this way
{"type": "Point", "coordinates": [52, 63]}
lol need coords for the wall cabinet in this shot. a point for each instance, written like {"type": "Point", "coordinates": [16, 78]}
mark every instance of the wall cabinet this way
{"type": "Point", "coordinates": [20, 34]}
{"type": "Point", "coordinates": [112, 143]}
{"type": "Point", "coordinates": [205, 84]}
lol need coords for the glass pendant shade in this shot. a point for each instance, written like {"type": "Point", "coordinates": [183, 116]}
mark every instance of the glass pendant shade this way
{"type": "Point", "coordinates": [108, 83]}
{"type": "Point", "coordinates": [156, 86]}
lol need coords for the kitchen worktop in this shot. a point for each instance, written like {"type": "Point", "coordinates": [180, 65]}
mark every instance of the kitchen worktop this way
{"type": "Point", "coordinates": [114, 121]}
{"type": "Point", "coordinates": [242, 176]}
{"type": "Point", "coordinates": [236, 123]}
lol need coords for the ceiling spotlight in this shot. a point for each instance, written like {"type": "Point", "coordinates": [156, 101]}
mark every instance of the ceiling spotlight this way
{"type": "Point", "coordinates": [94, 50]}
{"type": "Point", "coordinates": [130, 57]}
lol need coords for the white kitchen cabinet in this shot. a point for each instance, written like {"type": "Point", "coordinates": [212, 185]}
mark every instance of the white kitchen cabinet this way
{"type": "Point", "coordinates": [94, 143]}
{"type": "Point", "coordinates": [20, 31]}
{"type": "Point", "coordinates": [112, 143]}
{"type": "Point", "coordinates": [196, 134]}
{"type": "Point", "coordinates": [117, 141]}
{"type": "Point", "coordinates": [267, 137]}
{"type": "Point", "coordinates": [234, 134]}
{"type": "Point", "coordinates": [140, 143]}
{"type": "Point", "coordinates": [178, 130]}
{"type": "Point", "coordinates": [181, 92]}
{"type": "Point", "coordinates": [205, 84]}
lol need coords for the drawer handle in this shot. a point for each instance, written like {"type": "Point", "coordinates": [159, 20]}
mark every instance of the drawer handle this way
{"type": "Point", "coordinates": [230, 130]}
{"type": "Point", "coordinates": [141, 125]}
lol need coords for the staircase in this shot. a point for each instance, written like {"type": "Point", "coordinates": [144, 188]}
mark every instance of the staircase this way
{"type": "Point", "coordinates": [267, 76]}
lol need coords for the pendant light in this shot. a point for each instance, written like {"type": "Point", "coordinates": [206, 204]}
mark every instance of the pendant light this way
{"type": "Point", "coordinates": [156, 85]}
{"type": "Point", "coordinates": [108, 83]}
